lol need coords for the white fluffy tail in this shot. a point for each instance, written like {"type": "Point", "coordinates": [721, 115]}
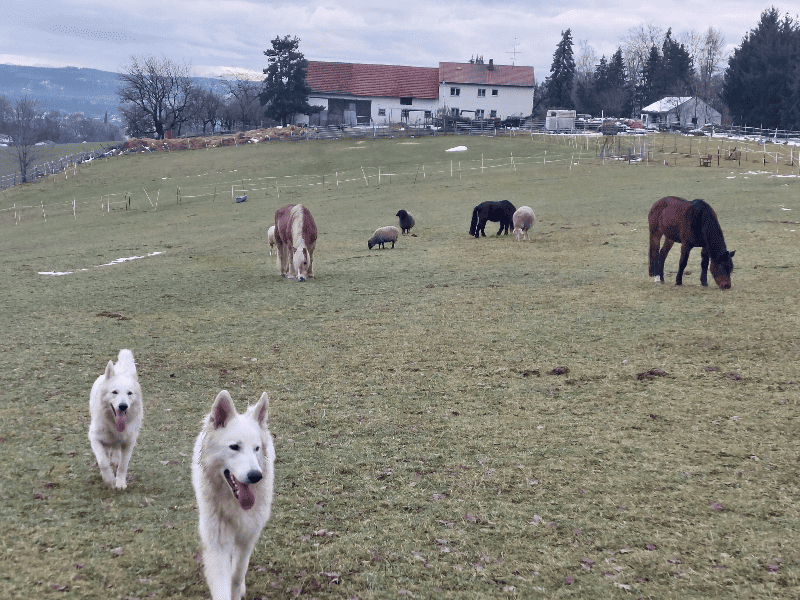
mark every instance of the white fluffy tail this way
{"type": "Point", "coordinates": [125, 361]}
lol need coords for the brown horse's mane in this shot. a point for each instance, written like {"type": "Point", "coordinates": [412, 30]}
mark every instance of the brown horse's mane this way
{"type": "Point", "coordinates": [705, 226]}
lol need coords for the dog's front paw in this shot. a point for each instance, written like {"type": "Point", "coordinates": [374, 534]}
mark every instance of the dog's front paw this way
{"type": "Point", "coordinates": [121, 484]}
{"type": "Point", "coordinates": [240, 594]}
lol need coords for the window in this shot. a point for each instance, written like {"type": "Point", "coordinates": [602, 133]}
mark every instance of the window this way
{"type": "Point", "coordinates": [381, 112]}
{"type": "Point", "coordinates": [494, 92]}
{"type": "Point", "coordinates": [454, 91]}
{"type": "Point", "coordinates": [479, 113]}
{"type": "Point", "coordinates": [405, 113]}
{"type": "Point", "coordinates": [481, 92]}
{"type": "Point", "coordinates": [455, 112]}
{"type": "Point", "coordinates": [405, 101]}
{"type": "Point", "coordinates": [428, 114]}
{"type": "Point", "coordinates": [493, 114]}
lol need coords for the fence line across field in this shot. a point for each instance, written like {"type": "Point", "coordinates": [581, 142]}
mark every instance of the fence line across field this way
{"type": "Point", "coordinates": [638, 149]}
{"type": "Point", "coordinates": [271, 186]}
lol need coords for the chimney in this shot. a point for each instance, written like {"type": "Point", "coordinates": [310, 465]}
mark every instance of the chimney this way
{"type": "Point", "coordinates": [491, 64]}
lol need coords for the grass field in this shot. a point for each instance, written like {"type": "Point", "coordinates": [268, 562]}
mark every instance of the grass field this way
{"type": "Point", "coordinates": [454, 418]}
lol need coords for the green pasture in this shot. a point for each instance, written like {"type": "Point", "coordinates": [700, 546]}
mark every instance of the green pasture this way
{"type": "Point", "coordinates": [453, 418]}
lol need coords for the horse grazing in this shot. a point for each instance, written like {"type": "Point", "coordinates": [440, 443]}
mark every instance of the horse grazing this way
{"type": "Point", "coordinates": [523, 219]}
{"type": "Point", "coordinates": [295, 236]}
{"type": "Point", "coordinates": [690, 224]}
{"type": "Point", "coordinates": [501, 211]}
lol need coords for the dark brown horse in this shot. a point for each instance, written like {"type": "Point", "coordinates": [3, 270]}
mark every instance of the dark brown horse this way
{"type": "Point", "coordinates": [690, 224]}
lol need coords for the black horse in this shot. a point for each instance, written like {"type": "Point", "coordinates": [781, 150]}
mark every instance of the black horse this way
{"type": "Point", "coordinates": [501, 211]}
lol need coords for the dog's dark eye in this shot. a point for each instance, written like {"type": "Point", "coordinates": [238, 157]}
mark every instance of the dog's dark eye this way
{"type": "Point", "coordinates": [258, 448]}
{"type": "Point", "coordinates": [234, 447]}
{"type": "Point", "coordinates": [114, 392]}
{"type": "Point", "coordinates": [130, 393]}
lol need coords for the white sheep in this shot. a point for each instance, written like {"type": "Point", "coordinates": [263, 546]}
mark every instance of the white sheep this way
{"type": "Point", "coordinates": [383, 236]}
{"type": "Point", "coordinates": [271, 238]}
{"type": "Point", "coordinates": [523, 219]}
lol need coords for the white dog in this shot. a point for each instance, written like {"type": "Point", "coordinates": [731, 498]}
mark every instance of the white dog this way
{"type": "Point", "coordinates": [233, 475]}
{"type": "Point", "coordinates": [115, 405]}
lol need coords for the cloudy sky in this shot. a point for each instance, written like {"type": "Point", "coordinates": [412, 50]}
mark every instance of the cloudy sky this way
{"type": "Point", "coordinates": [212, 35]}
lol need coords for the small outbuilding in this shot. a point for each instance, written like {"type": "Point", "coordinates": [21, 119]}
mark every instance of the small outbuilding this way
{"type": "Point", "coordinates": [680, 111]}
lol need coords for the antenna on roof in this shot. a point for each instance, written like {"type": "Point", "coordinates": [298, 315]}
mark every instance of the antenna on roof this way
{"type": "Point", "coordinates": [514, 53]}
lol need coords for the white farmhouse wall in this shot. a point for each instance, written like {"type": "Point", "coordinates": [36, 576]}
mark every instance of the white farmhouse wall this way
{"type": "Point", "coordinates": [510, 101]}
{"type": "Point", "coordinates": [389, 110]}
{"type": "Point", "coordinates": [383, 111]}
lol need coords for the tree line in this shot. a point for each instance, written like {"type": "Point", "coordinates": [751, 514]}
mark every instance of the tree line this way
{"type": "Point", "coordinates": [757, 85]}
{"type": "Point", "coordinates": [159, 97]}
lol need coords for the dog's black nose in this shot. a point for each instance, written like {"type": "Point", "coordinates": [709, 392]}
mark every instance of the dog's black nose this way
{"type": "Point", "coordinates": [123, 407]}
{"type": "Point", "coordinates": [254, 476]}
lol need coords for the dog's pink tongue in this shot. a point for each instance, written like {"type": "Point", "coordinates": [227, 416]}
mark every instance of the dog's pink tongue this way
{"type": "Point", "coordinates": [247, 498]}
{"type": "Point", "coordinates": [119, 421]}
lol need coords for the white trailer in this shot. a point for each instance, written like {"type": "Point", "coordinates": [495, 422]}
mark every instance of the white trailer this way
{"type": "Point", "coordinates": [560, 120]}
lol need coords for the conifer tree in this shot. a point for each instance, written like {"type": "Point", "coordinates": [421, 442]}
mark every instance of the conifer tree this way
{"type": "Point", "coordinates": [761, 85]}
{"type": "Point", "coordinates": [562, 74]}
{"type": "Point", "coordinates": [285, 92]}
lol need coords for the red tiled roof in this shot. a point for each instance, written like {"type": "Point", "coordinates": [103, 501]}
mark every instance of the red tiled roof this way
{"type": "Point", "coordinates": [373, 80]}
{"type": "Point", "coordinates": [450, 72]}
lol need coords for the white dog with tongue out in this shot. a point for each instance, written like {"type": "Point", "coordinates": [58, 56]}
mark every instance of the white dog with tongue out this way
{"type": "Point", "coordinates": [115, 405]}
{"type": "Point", "coordinates": [233, 476]}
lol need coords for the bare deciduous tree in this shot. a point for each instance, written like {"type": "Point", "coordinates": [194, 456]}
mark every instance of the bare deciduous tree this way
{"type": "Point", "coordinates": [709, 63]}
{"type": "Point", "coordinates": [155, 94]}
{"type": "Point", "coordinates": [210, 110]}
{"type": "Point", "coordinates": [244, 94]}
{"type": "Point", "coordinates": [24, 126]}
{"type": "Point", "coordinates": [636, 47]}
{"type": "Point", "coordinates": [585, 62]}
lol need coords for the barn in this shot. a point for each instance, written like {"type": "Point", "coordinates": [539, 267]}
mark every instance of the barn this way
{"type": "Point", "coordinates": [680, 111]}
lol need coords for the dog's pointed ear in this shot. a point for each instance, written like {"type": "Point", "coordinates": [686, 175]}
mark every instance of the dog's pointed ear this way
{"type": "Point", "coordinates": [223, 410]}
{"type": "Point", "coordinates": [261, 410]}
{"type": "Point", "coordinates": [109, 370]}
{"type": "Point", "coordinates": [731, 253]}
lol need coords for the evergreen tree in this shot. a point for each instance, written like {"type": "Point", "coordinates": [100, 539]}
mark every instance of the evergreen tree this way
{"type": "Point", "coordinates": [674, 78]}
{"type": "Point", "coordinates": [617, 77]}
{"type": "Point", "coordinates": [761, 82]}
{"type": "Point", "coordinates": [649, 89]}
{"type": "Point", "coordinates": [562, 74]}
{"type": "Point", "coordinates": [285, 92]}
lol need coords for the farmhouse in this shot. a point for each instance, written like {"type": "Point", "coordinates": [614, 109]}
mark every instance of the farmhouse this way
{"type": "Point", "coordinates": [361, 94]}
{"type": "Point", "coordinates": [486, 91]}
{"type": "Point", "coordinates": [680, 111]}
{"type": "Point", "coordinates": [364, 94]}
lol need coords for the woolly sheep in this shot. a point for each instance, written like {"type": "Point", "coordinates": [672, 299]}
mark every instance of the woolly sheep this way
{"type": "Point", "coordinates": [523, 220]}
{"type": "Point", "coordinates": [383, 236]}
{"type": "Point", "coordinates": [271, 238]}
{"type": "Point", "coordinates": [406, 220]}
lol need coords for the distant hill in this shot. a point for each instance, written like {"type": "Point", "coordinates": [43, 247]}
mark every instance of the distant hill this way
{"type": "Point", "coordinates": [68, 89]}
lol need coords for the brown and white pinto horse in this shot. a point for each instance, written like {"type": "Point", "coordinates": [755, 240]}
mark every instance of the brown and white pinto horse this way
{"type": "Point", "coordinates": [690, 224]}
{"type": "Point", "coordinates": [295, 236]}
